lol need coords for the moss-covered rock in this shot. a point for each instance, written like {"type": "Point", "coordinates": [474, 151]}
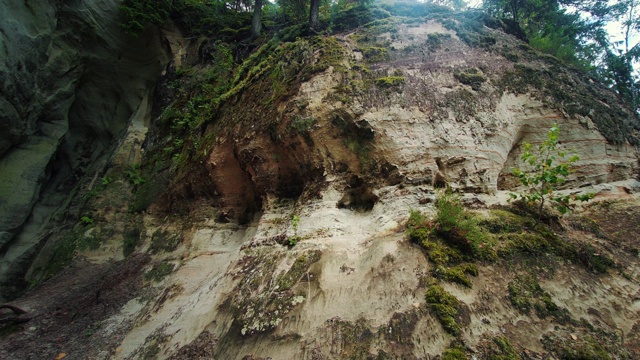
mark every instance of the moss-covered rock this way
{"type": "Point", "coordinates": [302, 263]}
{"type": "Point", "coordinates": [445, 307]}
{"type": "Point", "coordinates": [390, 81]}
{"type": "Point", "coordinates": [526, 294]}
{"type": "Point", "coordinates": [261, 300]}
{"type": "Point", "coordinates": [472, 77]}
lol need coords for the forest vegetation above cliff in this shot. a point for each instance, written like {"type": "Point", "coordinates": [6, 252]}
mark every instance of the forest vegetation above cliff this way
{"type": "Point", "coordinates": [572, 31]}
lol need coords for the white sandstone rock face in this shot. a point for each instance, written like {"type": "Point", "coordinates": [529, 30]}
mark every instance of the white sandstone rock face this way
{"type": "Point", "coordinates": [368, 284]}
{"type": "Point", "coordinates": [470, 139]}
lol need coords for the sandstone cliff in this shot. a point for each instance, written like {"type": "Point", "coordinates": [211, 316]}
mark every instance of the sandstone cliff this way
{"type": "Point", "coordinates": [268, 219]}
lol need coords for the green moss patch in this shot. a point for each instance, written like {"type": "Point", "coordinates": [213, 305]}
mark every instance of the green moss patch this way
{"type": "Point", "coordinates": [302, 263]}
{"type": "Point", "coordinates": [375, 54]}
{"type": "Point", "coordinates": [445, 307]}
{"type": "Point", "coordinates": [452, 240]}
{"type": "Point", "coordinates": [498, 348]}
{"type": "Point", "coordinates": [454, 353]}
{"type": "Point", "coordinates": [261, 301]}
{"type": "Point", "coordinates": [505, 222]}
{"type": "Point", "coordinates": [514, 238]}
{"type": "Point", "coordinates": [526, 294]}
{"type": "Point", "coordinates": [472, 77]}
{"type": "Point", "coordinates": [457, 274]}
{"type": "Point", "coordinates": [159, 271]}
{"type": "Point", "coordinates": [585, 344]}
{"type": "Point", "coordinates": [390, 81]}
{"type": "Point", "coordinates": [455, 239]}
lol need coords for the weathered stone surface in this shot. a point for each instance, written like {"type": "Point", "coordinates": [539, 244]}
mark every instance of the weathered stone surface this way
{"type": "Point", "coordinates": [365, 294]}
{"type": "Point", "coordinates": [25, 36]}
{"type": "Point", "coordinates": [70, 81]}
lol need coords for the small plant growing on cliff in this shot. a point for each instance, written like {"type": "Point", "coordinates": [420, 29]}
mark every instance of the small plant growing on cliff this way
{"type": "Point", "coordinates": [106, 181]}
{"type": "Point", "coordinates": [295, 222]}
{"type": "Point", "coordinates": [133, 175]}
{"type": "Point", "coordinates": [550, 169]}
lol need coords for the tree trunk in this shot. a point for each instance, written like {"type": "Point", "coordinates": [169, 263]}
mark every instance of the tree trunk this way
{"type": "Point", "coordinates": [313, 15]}
{"type": "Point", "coordinates": [256, 24]}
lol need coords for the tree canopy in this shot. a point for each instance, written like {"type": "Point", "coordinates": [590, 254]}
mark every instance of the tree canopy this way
{"type": "Point", "coordinates": [575, 32]}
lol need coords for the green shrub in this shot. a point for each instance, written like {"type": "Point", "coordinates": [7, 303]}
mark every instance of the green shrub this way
{"type": "Point", "coordinates": [452, 240]}
{"type": "Point", "coordinates": [549, 170]}
{"type": "Point", "coordinates": [390, 81]}
{"type": "Point", "coordinates": [450, 215]}
{"type": "Point", "coordinates": [461, 229]}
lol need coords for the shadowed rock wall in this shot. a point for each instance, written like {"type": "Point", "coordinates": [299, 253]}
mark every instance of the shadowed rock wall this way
{"type": "Point", "coordinates": [70, 80]}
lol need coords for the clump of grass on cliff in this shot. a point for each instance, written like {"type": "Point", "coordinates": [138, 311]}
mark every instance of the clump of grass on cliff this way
{"type": "Point", "coordinates": [456, 239]}
{"type": "Point", "coordinates": [452, 239]}
{"type": "Point", "coordinates": [390, 81]}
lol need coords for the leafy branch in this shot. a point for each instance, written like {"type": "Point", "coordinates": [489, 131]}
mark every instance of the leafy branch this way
{"type": "Point", "coordinates": [550, 169]}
